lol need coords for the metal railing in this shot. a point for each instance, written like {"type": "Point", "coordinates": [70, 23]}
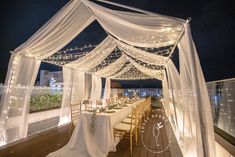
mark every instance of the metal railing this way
{"type": "Point", "coordinates": [222, 97]}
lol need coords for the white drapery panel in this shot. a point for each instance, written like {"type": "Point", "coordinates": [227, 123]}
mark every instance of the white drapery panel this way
{"type": "Point", "coordinates": [194, 89]}
{"type": "Point", "coordinates": [174, 86]}
{"type": "Point", "coordinates": [96, 89]}
{"type": "Point", "coordinates": [107, 88]}
{"type": "Point", "coordinates": [112, 68]}
{"type": "Point", "coordinates": [141, 55]}
{"type": "Point", "coordinates": [65, 113]}
{"type": "Point", "coordinates": [88, 83]}
{"type": "Point", "coordinates": [58, 31]}
{"type": "Point", "coordinates": [21, 75]}
{"type": "Point", "coordinates": [78, 87]}
{"type": "Point", "coordinates": [95, 57]}
{"type": "Point", "coordinates": [157, 74]}
{"type": "Point", "coordinates": [166, 97]}
{"type": "Point", "coordinates": [137, 29]}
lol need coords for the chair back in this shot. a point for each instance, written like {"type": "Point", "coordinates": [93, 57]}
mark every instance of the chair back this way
{"type": "Point", "coordinates": [75, 113]}
{"type": "Point", "coordinates": [134, 117]}
{"type": "Point", "coordinates": [87, 104]}
{"type": "Point", "coordinates": [99, 102]}
{"type": "Point", "coordinates": [107, 101]}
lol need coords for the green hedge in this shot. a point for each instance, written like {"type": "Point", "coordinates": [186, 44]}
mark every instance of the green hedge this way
{"type": "Point", "coordinates": [45, 102]}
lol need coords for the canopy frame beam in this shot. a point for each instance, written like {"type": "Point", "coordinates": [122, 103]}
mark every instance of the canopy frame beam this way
{"type": "Point", "coordinates": [178, 40]}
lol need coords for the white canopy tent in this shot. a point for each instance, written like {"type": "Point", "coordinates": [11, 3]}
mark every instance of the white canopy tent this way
{"type": "Point", "coordinates": [186, 100]}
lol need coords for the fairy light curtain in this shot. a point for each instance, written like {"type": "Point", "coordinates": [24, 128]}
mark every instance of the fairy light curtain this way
{"type": "Point", "coordinates": [21, 76]}
{"type": "Point", "coordinates": [88, 84]}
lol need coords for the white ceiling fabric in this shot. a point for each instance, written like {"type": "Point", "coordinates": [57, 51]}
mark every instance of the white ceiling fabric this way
{"type": "Point", "coordinates": [133, 74]}
{"type": "Point", "coordinates": [95, 57]}
{"type": "Point", "coordinates": [112, 68]}
{"type": "Point", "coordinates": [125, 69]}
{"type": "Point", "coordinates": [157, 74]}
{"type": "Point", "coordinates": [137, 29]}
{"type": "Point", "coordinates": [141, 55]}
{"type": "Point", "coordinates": [58, 32]}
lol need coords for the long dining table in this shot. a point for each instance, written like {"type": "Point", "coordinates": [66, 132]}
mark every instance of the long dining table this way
{"type": "Point", "coordinates": [93, 134]}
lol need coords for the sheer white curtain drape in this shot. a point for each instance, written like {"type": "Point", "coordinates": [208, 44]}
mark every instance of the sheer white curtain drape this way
{"type": "Point", "coordinates": [65, 111]}
{"type": "Point", "coordinates": [21, 76]}
{"type": "Point", "coordinates": [58, 31]}
{"type": "Point", "coordinates": [74, 92]}
{"type": "Point", "coordinates": [107, 88]}
{"type": "Point", "coordinates": [78, 87]}
{"type": "Point", "coordinates": [88, 84]}
{"type": "Point", "coordinates": [166, 97]}
{"type": "Point", "coordinates": [173, 80]}
{"type": "Point", "coordinates": [96, 89]}
{"type": "Point", "coordinates": [196, 98]}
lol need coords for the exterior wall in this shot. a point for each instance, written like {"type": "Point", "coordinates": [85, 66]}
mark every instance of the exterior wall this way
{"type": "Point", "coordinates": [47, 77]}
{"type": "Point", "coordinates": [116, 92]}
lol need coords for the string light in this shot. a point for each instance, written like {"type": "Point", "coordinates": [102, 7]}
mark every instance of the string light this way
{"type": "Point", "coordinates": [125, 68]}
{"type": "Point", "coordinates": [133, 74]}
{"type": "Point", "coordinates": [113, 67]}
{"type": "Point", "coordinates": [158, 74]}
{"type": "Point", "coordinates": [104, 59]}
{"type": "Point", "coordinates": [95, 57]}
{"type": "Point", "coordinates": [159, 38]}
{"type": "Point", "coordinates": [69, 55]}
{"type": "Point", "coordinates": [112, 57]}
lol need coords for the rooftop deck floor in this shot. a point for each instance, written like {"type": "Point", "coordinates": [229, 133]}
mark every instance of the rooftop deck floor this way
{"type": "Point", "coordinates": [42, 144]}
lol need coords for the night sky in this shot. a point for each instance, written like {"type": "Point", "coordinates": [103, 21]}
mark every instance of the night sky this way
{"type": "Point", "coordinates": [212, 24]}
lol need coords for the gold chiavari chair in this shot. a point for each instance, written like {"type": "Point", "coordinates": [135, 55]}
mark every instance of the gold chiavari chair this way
{"type": "Point", "coordinates": [87, 105]}
{"type": "Point", "coordinates": [123, 130]}
{"type": "Point", "coordinates": [75, 110]}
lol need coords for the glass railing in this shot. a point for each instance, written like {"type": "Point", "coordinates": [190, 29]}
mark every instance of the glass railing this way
{"type": "Point", "coordinates": [45, 98]}
{"type": "Point", "coordinates": [222, 97]}
{"type": "Point", "coordinates": [45, 103]}
{"type": "Point", "coordinates": [143, 92]}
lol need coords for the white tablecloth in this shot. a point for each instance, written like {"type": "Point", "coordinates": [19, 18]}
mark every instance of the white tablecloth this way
{"type": "Point", "coordinates": [84, 143]}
